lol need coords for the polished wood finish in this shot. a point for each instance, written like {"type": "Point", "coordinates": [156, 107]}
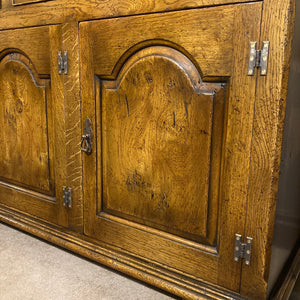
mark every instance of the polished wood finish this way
{"type": "Point", "coordinates": [32, 152]}
{"type": "Point", "coordinates": [33, 43]}
{"type": "Point", "coordinates": [58, 11]}
{"type": "Point", "coordinates": [24, 122]}
{"type": "Point", "coordinates": [186, 146]}
{"type": "Point", "coordinates": [266, 144]}
{"type": "Point", "coordinates": [152, 139]}
{"type": "Point", "coordinates": [73, 124]}
{"type": "Point", "coordinates": [145, 190]}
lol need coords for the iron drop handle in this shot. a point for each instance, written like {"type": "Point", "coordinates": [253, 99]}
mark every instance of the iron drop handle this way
{"type": "Point", "coordinates": [86, 145]}
{"type": "Point", "coordinates": [87, 138]}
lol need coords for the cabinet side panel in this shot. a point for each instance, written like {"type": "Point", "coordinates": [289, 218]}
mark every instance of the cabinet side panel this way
{"type": "Point", "coordinates": [277, 25]}
{"type": "Point", "coordinates": [287, 218]}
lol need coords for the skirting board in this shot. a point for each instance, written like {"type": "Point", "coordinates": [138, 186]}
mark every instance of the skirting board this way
{"type": "Point", "coordinates": [146, 272]}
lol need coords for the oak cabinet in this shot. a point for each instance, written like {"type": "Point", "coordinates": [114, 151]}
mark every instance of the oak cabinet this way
{"type": "Point", "coordinates": [159, 102]}
{"type": "Point", "coordinates": [32, 115]}
{"type": "Point", "coordinates": [168, 140]}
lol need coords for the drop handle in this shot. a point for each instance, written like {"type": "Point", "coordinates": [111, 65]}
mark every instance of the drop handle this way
{"type": "Point", "coordinates": [86, 145]}
{"type": "Point", "coordinates": [87, 137]}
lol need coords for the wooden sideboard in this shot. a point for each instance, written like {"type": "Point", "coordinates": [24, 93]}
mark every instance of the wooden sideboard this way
{"type": "Point", "coordinates": [146, 135]}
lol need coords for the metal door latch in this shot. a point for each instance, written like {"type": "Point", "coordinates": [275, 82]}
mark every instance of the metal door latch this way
{"type": "Point", "coordinates": [87, 137]}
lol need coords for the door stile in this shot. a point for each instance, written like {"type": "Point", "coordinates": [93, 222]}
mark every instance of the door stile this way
{"type": "Point", "coordinates": [239, 133]}
{"type": "Point", "coordinates": [88, 110]}
{"type": "Point", "coordinates": [70, 43]}
{"type": "Point", "coordinates": [58, 123]}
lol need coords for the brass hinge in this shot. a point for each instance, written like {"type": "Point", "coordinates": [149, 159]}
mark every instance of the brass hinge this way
{"type": "Point", "coordinates": [242, 250]}
{"type": "Point", "coordinates": [258, 58]}
{"type": "Point", "coordinates": [67, 197]}
{"type": "Point", "coordinates": [63, 62]}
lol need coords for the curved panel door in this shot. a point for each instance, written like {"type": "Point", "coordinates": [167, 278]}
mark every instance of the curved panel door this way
{"type": "Point", "coordinates": [171, 108]}
{"type": "Point", "coordinates": [31, 153]}
{"type": "Point", "coordinates": [157, 122]}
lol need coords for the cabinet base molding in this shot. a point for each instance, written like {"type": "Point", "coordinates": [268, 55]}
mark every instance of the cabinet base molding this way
{"type": "Point", "coordinates": [144, 271]}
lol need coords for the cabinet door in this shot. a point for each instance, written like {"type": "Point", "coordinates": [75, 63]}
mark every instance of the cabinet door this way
{"type": "Point", "coordinates": [32, 148]}
{"type": "Point", "coordinates": [171, 107]}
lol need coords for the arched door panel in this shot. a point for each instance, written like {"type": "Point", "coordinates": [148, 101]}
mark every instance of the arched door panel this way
{"type": "Point", "coordinates": [159, 123]}
{"type": "Point", "coordinates": [171, 107]}
{"type": "Point", "coordinates": [32, 170]}
{"type": "Point", "coordinates": [25, 102]}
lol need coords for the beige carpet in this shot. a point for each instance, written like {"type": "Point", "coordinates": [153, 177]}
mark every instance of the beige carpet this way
{"type": "Point", "coordinates": [32, 269]}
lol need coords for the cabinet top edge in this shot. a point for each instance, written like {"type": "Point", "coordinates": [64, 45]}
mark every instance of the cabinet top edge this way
{"type": "Point", "coordinates": [28, 13]}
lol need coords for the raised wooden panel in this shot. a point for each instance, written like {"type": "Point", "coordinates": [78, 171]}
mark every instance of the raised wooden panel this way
{"type": "Point", "coordinates": [24, 154]}
{"type": "Point", "coordinates": [32, 151]}
{"type": "Point", "coordinates": [168, 176]}
{"type": "Point", "coordinates": [158, 120]}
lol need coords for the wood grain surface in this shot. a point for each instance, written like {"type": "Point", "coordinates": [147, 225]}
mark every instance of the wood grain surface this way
{"type": "Point", "coordinates": [32, 116]}
{"type": "Point", "coordinates": [25, 154]}
{"type": "Point", "coordinates": [277, 27]}
{"type": "Point", "coordinates": [186, 146]}
{"type": "Point", "coordinates": [125, 216]}
{"type": "Point", "coordinates": [58, 11]}
{"type": "Point", "coordinates": [207, 46]}
{"type": "Point", "coordinates": [37, 49]}
{"type": "Point", "coordinates": [157, 123]}
{"type": "Point", "coordinates": [72, 108]}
